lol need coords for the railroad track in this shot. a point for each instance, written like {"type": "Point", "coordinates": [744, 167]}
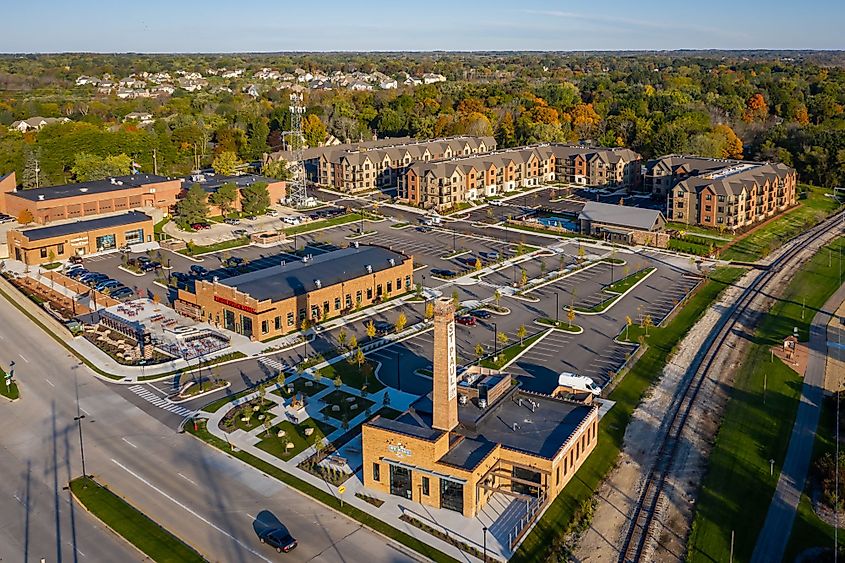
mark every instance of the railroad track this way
{"type": "Point", "coordinates": [641, 529]}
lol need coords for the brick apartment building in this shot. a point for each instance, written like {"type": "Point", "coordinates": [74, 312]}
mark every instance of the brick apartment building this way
{"type": "Point", "coordinates": [41, 245]}
{"type": "Point", "coordinates": [274, 301]}
{"type": "Point", "coordinates": [111, 195]}
{"type": "Point", "coordinates": [441, 184]}
{"type": "Point", "coordinates": [720, 193]}
{"type": "Point", "coordinates": [371, 165]}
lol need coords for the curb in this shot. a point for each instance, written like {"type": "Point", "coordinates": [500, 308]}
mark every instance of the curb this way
{"type": "Point", "coordinates": [109, 528]}
{"type": "Point", "coordinates": [563, 330]}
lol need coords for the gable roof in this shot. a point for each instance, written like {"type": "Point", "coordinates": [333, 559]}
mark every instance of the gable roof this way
{"type": "Point", "coordinates": [632, 217]}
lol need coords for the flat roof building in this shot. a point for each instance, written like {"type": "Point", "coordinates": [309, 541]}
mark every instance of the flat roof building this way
{"type": "Point", "coordinates": [60, 241]}
{"type": "Point", "coordinates": [475, 435]}
{"type": "Point", "coordinates": [275, 301]}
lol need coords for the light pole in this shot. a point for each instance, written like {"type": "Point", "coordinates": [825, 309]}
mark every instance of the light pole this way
{"type": "Point", "coordinates": [557, 307]}
{"type": "Point", "coordinates": [484, 529]}
{"type": "Point", "coordinates": [495, 341]}
{"type": "Point", "coordinates": [78, 420]}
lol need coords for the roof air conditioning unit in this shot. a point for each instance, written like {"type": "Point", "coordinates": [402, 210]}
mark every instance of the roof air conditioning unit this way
{"type": "Point", "coordinates": [462, 399]}
{"type": "Point", "coordinates": [369, 269]}
{"type": "Point", "coordinates": [392, 262]}
{"type": "Point", "coordinates": [111, 180]}
{"type": "Point", "coordinates": [304, 259]}
{"type": "Point", "coordinates": [83, 189]}
{"type": "Point", "coordinates": [41, 197]}
{"type": "Point", "coordinates": [282, 263]}
{"type": "Point", "coordinates": [318, 283]}
{"type": "Point", "coordinates": [215, 279]}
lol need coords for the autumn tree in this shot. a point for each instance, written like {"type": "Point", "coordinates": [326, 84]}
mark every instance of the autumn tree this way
{"type": "Point", "coordinates": [25, 217]}
{"type": "Point", "coordinates": [314, 131]}
{"type": "Point", "coordinates": [401, 321]}
{"type": "Point", "coordinates": [88, 167]}
{"type": "Point", "coordinates": [371, 329]}
{"type": "Point", "coordinates": [755, 108]}
{"type": "Point", "coordinates": [226, 163]}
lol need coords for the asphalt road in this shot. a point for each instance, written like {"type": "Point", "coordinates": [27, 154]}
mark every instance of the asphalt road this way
{"type": "Point", "coordinates": [200, 494]}
{"type": "Point", "coordinates": [774, 536]}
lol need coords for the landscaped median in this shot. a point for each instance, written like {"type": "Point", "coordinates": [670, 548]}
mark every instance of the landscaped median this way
{"type": "Point", "coordinates": [196, 250]}
{"type": "Point", "coordinates": [564, 326]}
{"type": "Point", "coordinates": [507, 354]}
{"type": "Point", "coordinates": [326, 498]}
{"type": "Point", "coordinates": [131, 524]}
{"type": "Point", "coordinates": [618, 290]}
{"type": "Point", "coordinates": [573, 506]}
{"type": "Point", "coordinates": [323, 224]}
{"type": "Point", "coordinates": [10, 390]}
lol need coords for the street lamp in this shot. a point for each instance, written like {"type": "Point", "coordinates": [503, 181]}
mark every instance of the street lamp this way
{"type": "Point", "coordinates": [557, 307]}
{"type": "Point", "coordinates": [484, 529]}
{"type": "Point", "coordinates": [495, 341]}
{"type": "Point", "coordinates": [78, 420]}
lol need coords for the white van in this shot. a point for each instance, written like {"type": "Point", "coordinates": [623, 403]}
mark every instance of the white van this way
{"type": "Point", "coordinates": [578, 383]}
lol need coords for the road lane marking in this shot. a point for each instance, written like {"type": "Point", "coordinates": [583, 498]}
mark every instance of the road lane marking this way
{"type": "Point", "coordinates": [189, 510]}
{"type": "Point", "coordinates": [188, 479]}
{"type": "Point", "coordinates": [86, 413]}
{"type": "Point", "coordinates": [128, 442]}
{"type": "Point", "coordinates": [49, 382]}
{"type": "Point", "coordinates": [24, 359]}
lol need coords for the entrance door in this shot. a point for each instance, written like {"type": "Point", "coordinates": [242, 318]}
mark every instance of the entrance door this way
{"type": "Point", "coordinates": [228, 320]}
{"type": "Point", "coordinates": [400, 481]}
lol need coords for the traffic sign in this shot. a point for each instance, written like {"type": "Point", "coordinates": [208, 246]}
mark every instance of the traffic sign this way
{"type": "Point", "coordinates": [341, 489]}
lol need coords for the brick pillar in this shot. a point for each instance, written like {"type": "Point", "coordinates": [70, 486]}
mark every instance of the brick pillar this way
{"type": "Point", "coordinates": [445, 395]}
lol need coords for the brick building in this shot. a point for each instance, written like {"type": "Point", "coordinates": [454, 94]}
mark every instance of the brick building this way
{"type": "Point", "coordinates": [476, 435]}
{"type": "Point", "coordinates": [720, 193]}
{"type": "Point", "coordinates": [442, 184]}
{"type": "Point", "coordinates": [274, 301]}
{"type": "Point", "coordinates": [41, 245]}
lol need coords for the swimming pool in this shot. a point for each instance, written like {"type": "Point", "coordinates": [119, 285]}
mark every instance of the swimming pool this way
{"type": "Point", "coordinates": [560, 222]}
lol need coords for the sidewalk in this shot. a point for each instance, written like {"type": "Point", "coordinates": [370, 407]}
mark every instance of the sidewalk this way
{"type": "Point", "coordinates": [773, 538]}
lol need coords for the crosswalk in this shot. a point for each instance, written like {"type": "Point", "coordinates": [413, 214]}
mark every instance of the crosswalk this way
{"type": "Point", "coordinates": [273, 365]}
{"type": "Point", "coordinates": [159, 401]}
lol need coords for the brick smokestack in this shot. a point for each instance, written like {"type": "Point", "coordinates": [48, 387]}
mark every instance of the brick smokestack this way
{"type": "Point", "coordinates": [445, 395]}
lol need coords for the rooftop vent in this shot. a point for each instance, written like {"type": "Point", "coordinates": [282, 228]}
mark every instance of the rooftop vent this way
{"type": "Point", "coordinates": [318, 283]}
{"type": "Point", "coordinates": [282, 263]}
{"type": "Point", "coordinates": [215, 279]}
{"type": "Point", "coordinates": [515, 426]}
{"type": "Point", "coordinates": [41, 197]}
{"type": "Point", "coordinates": [392, 262]}
{"type": "Point", "coordinates": [83, 189]}
{"type": "Point", "coordinates": [482, 403]}
{"type": "Point", "coordinates": [355, 244]}
{"type": "Point", "coordinates": [305, 258]}
{"type": "Point", "coordinates": [369, 269]}
{"type": "Point", "coordinates": [111, 180]}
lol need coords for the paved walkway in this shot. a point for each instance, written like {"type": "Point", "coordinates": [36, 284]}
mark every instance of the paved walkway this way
{"type": "Point", "coordinates": [771, 543]}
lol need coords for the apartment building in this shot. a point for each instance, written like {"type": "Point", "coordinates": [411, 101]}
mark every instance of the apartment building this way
{"type": "Point", "coordinates": [718, 193]}
{"type": "Point", "coordinates": [442, 184]}
{"type": "Point", "coordinates": [378, 164]}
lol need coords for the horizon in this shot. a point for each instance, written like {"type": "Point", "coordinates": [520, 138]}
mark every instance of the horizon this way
{"type": "Point", "coordinates": [380, 27]}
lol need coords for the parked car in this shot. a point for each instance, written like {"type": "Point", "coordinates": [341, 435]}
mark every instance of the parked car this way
{"type": "Point", "coordinates": [578, 383]}
{"type": "Point", "coordinates": [200, 226]}
{"type": "Point", "coordinates": [107, 284]}
{"type": "Point", "coordinates": [94, 281]}
{"type": "Point", "coordinates": [122, 293]}
{"type": "Point", "coordinates": [291, 220]}
{"type": "Point", "coordinates": [489, 255]}
{"type": "Point", "coordinates": [150, 266]}
{"type": "Point", "coordinates": [239, 232]}
{"type": "Point", "coordinates": [231, 221]}
{"type": "Point", "coordinates": [443, 273]}
{"type": "Point", "coordinates": [383, 327]}
{"type": "Point", "coordinates": [77, 273]}
{"type": "Point", "coordinates": [199, 271]}
{"type": "Point", "coordinates": [233, 262]}
{"type": "Point", "coordinates": [424, 229]}
{"type": "Point", "coordinates": [250, 217]}
{"type": "Point", "coordinates": [143, 259]}
{"type": "Point", "coordinates": [481, 314]}
{"type": "Point", "coordinates": [272, 213]}
{"type": "Point", "coordinates": [75, 259]}
{"type": "Point", "coordinates": [180, 276]}
{"type": "Point", "coordinates": [72, 267]}
{"type": "Point", "coordinates": [466, 320]}
{"type": "Point", "coordinates": [278, 538]}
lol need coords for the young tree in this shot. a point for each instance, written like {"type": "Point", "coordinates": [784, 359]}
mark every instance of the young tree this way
{"type": "Point", "coordinates": [224, 197]}
{"type": "Point", "coordinates": [523, 277]}
{"type": "Point", "coordinates": [371, 329]}
{"type": "Point", "coordinates": [401, 321]}
{"type": "Point", "coordinates": [456, 298]}
{"type": "Point", "coordinates": [628, 322]}
{"type": "Point", "coordinates": [193, 208]}
{"type": "Point", "coordinates": [503, 338]}
{"type": "Point", "coordinates": [479, 350]}
{"type": "Point", "coordinates": [341, 337]}
{"type": "Point", "coordinates": [353, 341]}
{"type": "Point", "coordinates": [429, 310]}
{"type": "Point", "coordinates": [226, 163]}
{"type": "Point", "coordinates": [570, 314]}
{"type": "Point", "coordinates": [25, 217]}
{"type": "Point", "coordinates": [359, 361]}
{"type": "Point", "coordinates": [255, 199]}
{"type": "Point", "coordinates": [497, 296]}
{"type": "Point", "coordinates": [520, 333]}
{"type": "Point", "coordinates": [647, 322]}
{"type": "Point", "coordinates": [478, 264]}
{"type": "Point", "coordinates": [581, 252]}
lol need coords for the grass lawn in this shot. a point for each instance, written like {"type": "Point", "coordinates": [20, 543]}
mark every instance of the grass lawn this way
{"type": "Point", "coordinates": [547, 539]}
{"type": "Point", "coordinates": [11, 392]}
{"type": "Point", "coordinates": [294, 433]}
{"type": "Point", "coordinates": [300, 385]}
{"type": "Point", "coordinates": [232, 421]}
{"type": "Point", "coordinates": [338, 398]}
{"type": "Point", "coordinates": [737, 489]}
{"type": "Point", "coordinates": [628, 282]}
{"type": "Point", "coordinates": [564, 325]}
{"type": "Point", "coordinates": [158, 228]}
{"type": "Point", "coordinates": [193, 249]}
{"type": "Point", "coordinates": [134, 526]}
{"type": "Point", "coordinates": [323, 223]}
{"type": "Point", "coordinates": [761, 242]}
{"type": "Point", "coordinates": [809, 530]}
{"type": "Point", "coordinates": [692, 245]}
{"type": "Point", "coordinates": [694, 229]}
{"type": "Point", "coordinates": [512, 351]}
{"type": "Point", "coordinates": [324, 497]}
{"type": "Point", "coordinates": [352, 376]}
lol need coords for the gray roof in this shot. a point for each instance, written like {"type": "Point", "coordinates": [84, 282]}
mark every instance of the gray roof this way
{"type": "Point", "coordinates": [84, 225]}
{"type": "Point", "coordinates": [298, 278]}
{"type": "Point", "coordinates": [211, 183]}
{"type": "Point", "coordinates": [95, 186]}
{"type": "Point", "coordinates": [620, 215]}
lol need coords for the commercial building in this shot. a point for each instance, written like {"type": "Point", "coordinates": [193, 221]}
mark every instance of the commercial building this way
{"type": "Point", "coordinates": [476, 435]}
{"type": "Point", "coordinates": [623, 224]}
{"type": "Point", "coordinates": [370, 165]}
{"type": "Point", "coordinates": [87, 199]}
{"type": "Point", "coordinates": [275, 301]}
{"type": "Point", "coordinates": [442, 184]}
{"type": "Point", "coordinates": [720, 193]}
{"type": "Point", "coordinates": [41, 245]}
{"type": "Point", "coordinates": [121, 193]}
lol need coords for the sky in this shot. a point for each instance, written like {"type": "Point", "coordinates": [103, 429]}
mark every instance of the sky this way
{"type": "Point", "coordinates": [188, 26]}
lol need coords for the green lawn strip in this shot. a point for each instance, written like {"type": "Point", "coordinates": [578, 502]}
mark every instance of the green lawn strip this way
{"type": "Point", "coordinates": [11, 392]}
{"type": "Point", "coordinates": [628, 282]}
{"type": "Point", "coordinates": [326, 498]}
{"type": "Point", "coordinates": [131, 524]}
{"type": "Point", "coordinates": [809, 530]}
{"type": "Point", "coordinates": [690, 246]}
{"type": "Point", "coordinates": [699, 230]}
{"type": "Point", "coordinates": [564, 325]}
{"type": "Point", "coordinates": [158, 228]}
{"type": "Point", "coordinates": [300, 385]}
{"type": "Point", "coordinates": [573, 504]}
{"type": "Point", "coordinates": [350, 375]}
{"type": "Point", "coordinates": [737, 490]}
{"type": "Point", "coordinates": [323, 223]}
{"type": "Point", "coordinates": [813, 209]}
{"type": "Point", "coordinates": [512, 351]}
{"type": "Point", "coordinates": [294, 433]}
{"type": "Point", "coordinates": [193, 250]}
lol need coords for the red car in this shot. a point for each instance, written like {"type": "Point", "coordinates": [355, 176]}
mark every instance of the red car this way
{"type": "Point", "coordinates": [200, 226]}
{"type": "Point", "coordinates": [466, 320]}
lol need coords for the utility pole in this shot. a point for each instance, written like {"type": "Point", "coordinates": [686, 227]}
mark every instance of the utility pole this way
{"type": "Point", "coordinates": [37, 172]}
{"type": "Point", "coordinates": [78, 420]}
{"type": "Point", "coordinates": [155, 162]}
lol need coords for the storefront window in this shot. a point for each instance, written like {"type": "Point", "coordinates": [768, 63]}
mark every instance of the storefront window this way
{"type": "Point", "coordinates": [290, 319]}
{"type": "Point", "coordinates": [228, 320]}
{"type": "Point", "coordinates": [135, 237]}
{"type": "Point", "coordinates": [451, 495]}
{"type": "Point", "coordinates": [400, 481]}
{"type": "Point", "coordinates": [246, 325]}
{"type": "Point", "coordinates": [265, 327]}
{"type": "Point", "coordinates": [426, 486]}
{"type": "Point", "coordinates": [376, 472]}
{"type": "Point", "coordinates": [106, 242]}
{"type": "Point", "coordinates": [526, 475]}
